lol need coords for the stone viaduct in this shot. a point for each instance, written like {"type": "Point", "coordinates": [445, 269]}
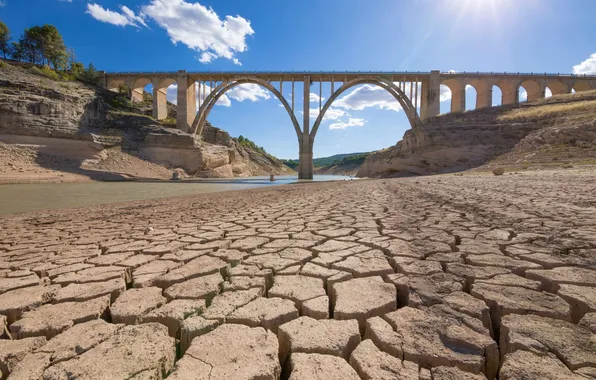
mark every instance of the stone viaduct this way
{"type": "Point", "coordinates": [418, 93]}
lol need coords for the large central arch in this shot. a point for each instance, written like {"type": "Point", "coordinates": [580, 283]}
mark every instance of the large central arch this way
{"type": "Point", "coordinates": [389, 86]}
{"type": "Point", "coordinates": [200, 120]}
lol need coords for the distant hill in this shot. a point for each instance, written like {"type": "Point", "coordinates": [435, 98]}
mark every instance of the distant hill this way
{"type": "Point", "coordinates": [336, 159]}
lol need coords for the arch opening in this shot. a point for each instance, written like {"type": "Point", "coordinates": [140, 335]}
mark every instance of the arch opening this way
{"type": "Point", "coordinates": [360, 119]}
{"type": "Point", "coordinates": [458, 95]}
{"type": "Point", "coordinates": [556, 87]}
{"type": "Point", "coordinates": [547, 92]}
{"type": "Point", "coordinates": [472, 98]}
{"type": "Point", "coordinates": [220, 90]}
{"type": "Point", "coordinates": [138, 89]}
{"type": "Point", "coordinates": [397, 93]}
{"type": "Point", "coordinates": [497, 98]}
{"type": "Point", "coordinates": [581, 86]}
{"type": "Point", "coordinates": [522, 94]}
{"type": "Point", "coordinates": [446, 97]}
{"type": "Point", "coordinates": [532, 89]}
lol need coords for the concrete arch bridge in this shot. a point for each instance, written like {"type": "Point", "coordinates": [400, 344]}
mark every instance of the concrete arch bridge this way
{"type": "Point", "coordinates": [418, 94]}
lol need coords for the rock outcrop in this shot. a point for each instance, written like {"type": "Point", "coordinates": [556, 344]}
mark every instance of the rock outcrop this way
{"type": "Point", "coordinates": [551, 132]}
{"type": "Point", "coordinates": [73, 127]}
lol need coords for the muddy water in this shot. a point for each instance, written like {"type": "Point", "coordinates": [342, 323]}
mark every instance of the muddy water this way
{"type": "Point", "coordinates": [30, 197]}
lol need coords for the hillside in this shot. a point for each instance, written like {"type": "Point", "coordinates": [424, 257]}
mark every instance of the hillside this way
{"type": "Point", "coordinates": [555, 132]}
{"type": "Point", "coordinates": [343, 164]}
{"type": "Point", "coordinates": [339, 164]}
{"type": "Point", "coordinates": [54, 130]}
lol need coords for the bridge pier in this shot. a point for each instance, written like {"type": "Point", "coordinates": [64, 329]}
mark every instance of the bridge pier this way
{"type": "Point", "coordinates": [305, 161]}
{"type": "Point", "coordinates": [187, 106]}
{"type": "Point", "coordinates": [160, 103]}
{"type": "Point", "coordinates": [458, 99]}
{"type": "Point", "coordinates": [484, 97]}
{"type": "Point", "coordinates": [430, 99]}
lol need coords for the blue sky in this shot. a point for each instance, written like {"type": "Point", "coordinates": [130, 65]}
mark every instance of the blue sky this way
{"type": "Point", "coordinates": [392, 35]}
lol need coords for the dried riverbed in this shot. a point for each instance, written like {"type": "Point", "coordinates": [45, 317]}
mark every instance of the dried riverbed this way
{"type": "Point", "coordinates": [447, 277]}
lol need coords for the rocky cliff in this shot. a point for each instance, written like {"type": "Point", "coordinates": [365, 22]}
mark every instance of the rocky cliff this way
{"type": "Point", "coordinates": [552, 132]}
{"type": "Point", "coordinates": [67, 126]}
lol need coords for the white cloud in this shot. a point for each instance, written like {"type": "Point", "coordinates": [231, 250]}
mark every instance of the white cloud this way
{"type": "Point", "coordinates": [548, 93]}
{"type": "Point", "coordinates": [236, 61]}
{"type": "Point", "coordinates": [452, 72]}
{"type": "Point", "coordinates": [523, 95]}
{"type": "Point", "coordinates": [331, 114]}
{"type": "Point", "coordinates": [444, 93]}
{"type": "Point", "coordinates": [352, 122]}
{"type": "Point", "coordinates": [248, 91]}
{"type": "Point", "coordinates": [127, 17]}
{"type": "Point", "coordinates": [314, 98]}
{"type": "Point", "coordinates": [207, 57]}
{"type": "Point", "coordinates": [66, 1]}
{"type": "Point", "coordinates": [2, 3]}
{"type": "Point", "coordinates": [368, 96]}
{"type": "Point", "coordinates": [374, 96]}
{"type": "Point", "coordinates": [587, 67]}
{"type": "Point", "coordinates": [200, 28]}
{"type": "Point", "coordinates": [132, 16]}
{"type": "Point", "coordinates": [334, 114]}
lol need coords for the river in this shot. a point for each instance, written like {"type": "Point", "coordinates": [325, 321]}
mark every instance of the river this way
{"type": "Point", "coordinates": [30, 197]}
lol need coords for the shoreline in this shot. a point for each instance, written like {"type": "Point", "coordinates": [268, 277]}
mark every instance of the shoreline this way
{"type": "Point", "coordinates": [16, 198]}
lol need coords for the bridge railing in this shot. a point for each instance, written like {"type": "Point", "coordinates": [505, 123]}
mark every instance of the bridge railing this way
{"type": "Point", "coordinates": [339, 73]}
{"type": "Point", "coordinates": [484, 73]}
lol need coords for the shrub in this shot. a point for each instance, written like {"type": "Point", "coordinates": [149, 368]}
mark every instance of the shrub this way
{"type": "Point", "coordinates": [45, 71]}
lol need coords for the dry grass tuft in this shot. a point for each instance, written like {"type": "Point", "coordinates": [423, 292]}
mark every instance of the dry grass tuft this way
{"type": "Point", "coordinates": [587, 108]}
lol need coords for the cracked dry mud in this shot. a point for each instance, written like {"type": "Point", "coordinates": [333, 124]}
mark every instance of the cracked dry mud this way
{"type": "Point", "coordinates": [432, 278]}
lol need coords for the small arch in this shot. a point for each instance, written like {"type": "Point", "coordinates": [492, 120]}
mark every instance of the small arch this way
{"type": "Point", "coordinates": [164, 83]}
{"type": "Point", "coordinates": [533, 89]}
{"type": "Point", "coordinates": [389, 86]}
{"type": "Point", "coordinates": [116, 84]}
{"type": "Point", "coordinates": [556, 87]}
{"type": "Point", "coordinates": [137, 89]}
{"type": "Point", "coordinates": [479, 94]}
{"type": "Point", "coordinates": [497, 98]}
{"type": "Point", "coordinates": [580, 86]}
{"type": "Point", "coordinates": [458, 95]}
{"type": "Point", "coordinates": [509, 91]}
{"type": "Point", "coordinates": [220, 90]}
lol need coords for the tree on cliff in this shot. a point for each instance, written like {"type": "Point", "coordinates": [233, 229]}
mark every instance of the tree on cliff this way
{"type": "Point", "coordinates": [41, 45]}
{"type": "Point", "coordinates": [4, 39]}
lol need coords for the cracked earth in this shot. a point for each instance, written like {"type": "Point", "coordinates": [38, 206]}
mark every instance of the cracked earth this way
{"type": "Point", "coordinates": [447, 277]}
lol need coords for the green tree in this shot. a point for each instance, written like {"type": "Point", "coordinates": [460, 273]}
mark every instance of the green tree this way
{"type": "Point", "coordinates": [30, 45]}
{"type": "Point", "coordinates": [52, 46]}
{"type": "Point", "coordinates": [90, 75]}
{"type": "Point", "coordinates": [77, 68]}
{"type": "Point", "coordinates": [4, 39]}
{"type": "Point", "coordinates": [16, 51]}
{"type": "Point", "coordinates": [43, 45]}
